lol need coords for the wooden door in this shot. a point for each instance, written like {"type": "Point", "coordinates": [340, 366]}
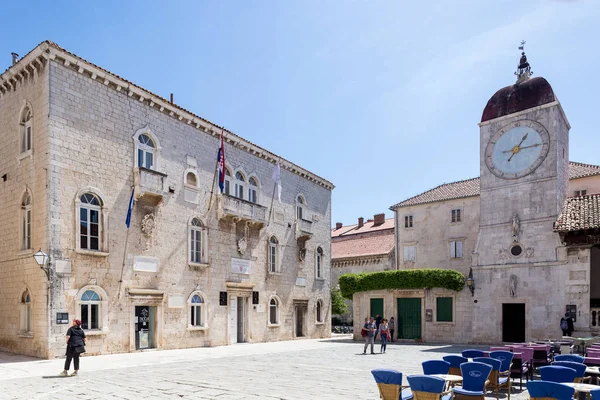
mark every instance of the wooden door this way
{"type": "Point", "coordinates": [409, 318]}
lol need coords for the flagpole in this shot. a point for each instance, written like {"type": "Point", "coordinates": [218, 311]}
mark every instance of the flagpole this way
{"type": "Point", "coordinates": [128, 222]}
{"type": "Point", "coordinates": [220, 153]}
{"type": "Point", "coordinates": [272, 198]}
{"type": "Point", "coordinates": [212, 189]}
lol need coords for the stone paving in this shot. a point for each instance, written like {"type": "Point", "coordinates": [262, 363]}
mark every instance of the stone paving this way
{"type": "Point", "coordinates": [302, 369]}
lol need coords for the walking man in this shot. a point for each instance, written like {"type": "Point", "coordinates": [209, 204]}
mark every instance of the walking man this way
{"type": "Point", "coordinates": [370, 337]}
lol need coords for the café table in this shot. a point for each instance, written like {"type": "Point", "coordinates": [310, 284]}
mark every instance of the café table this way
{"type": "Point", "coordinates": [582, 387]}
{"type": "Point", "coordinates": [451, 380]}
{"type": "Point", "coordinates": [595, 371]}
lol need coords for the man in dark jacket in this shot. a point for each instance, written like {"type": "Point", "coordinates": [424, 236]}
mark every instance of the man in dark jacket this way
{"type": "Point", "coordinates": [567, 322]}
{"type": "Point", "coordinates": [75, 346]}
{"type": "Point", "coordinates": [378, 319]}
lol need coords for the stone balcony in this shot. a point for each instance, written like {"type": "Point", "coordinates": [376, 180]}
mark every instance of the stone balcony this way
{"type": "Point", "coordinates": [149, 185]}
{"type": "Point", "coordinates": [242, 210]}
{"type": "Point", "coordinates": [304, 229]}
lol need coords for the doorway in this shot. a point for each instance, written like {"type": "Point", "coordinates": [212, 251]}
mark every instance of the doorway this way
{"type": "Point", "coordinates": [513, 322]}
{"type": "Point", "coordinates": [409, 318]}
{"type": "Point", "coordinates": [237, 319]}
{"type": "Point", "coordinates": [300, 315]}
{"type": "Point", "coordinates": [145, 327]}
{"type": "Point", "coordinates": [376, 308]}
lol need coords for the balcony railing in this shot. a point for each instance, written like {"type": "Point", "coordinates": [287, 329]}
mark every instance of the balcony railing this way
{"type": "Point", "coordinates": [303, 229]}
{"type": "Point", "coordinates": [243, 210]}
{"type": "Point", "coordinates": [149, 183]}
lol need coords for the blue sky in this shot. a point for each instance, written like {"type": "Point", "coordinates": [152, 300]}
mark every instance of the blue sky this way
{"type": "Point", "coordinates": [381, 97]}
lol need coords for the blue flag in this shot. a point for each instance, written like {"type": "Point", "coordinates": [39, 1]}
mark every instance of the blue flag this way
{"type": "Point", "coordinates": [128, 219]}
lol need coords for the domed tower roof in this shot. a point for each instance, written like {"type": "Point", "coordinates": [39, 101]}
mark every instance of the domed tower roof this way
{"type": "Point", "coordinates": [526, 93]}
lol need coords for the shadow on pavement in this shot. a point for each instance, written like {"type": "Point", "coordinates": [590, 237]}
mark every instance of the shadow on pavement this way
{"type": "Point", "coordinates": [6, 358]}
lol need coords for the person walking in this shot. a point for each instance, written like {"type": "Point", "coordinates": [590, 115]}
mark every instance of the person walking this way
{"type": "Point", "coordinates": [392, 325]}
{"type": "Point", "coordinates": [384, 334]}
{"type": "Point", "coordinates": [75, 346]}
{"type": "Point", "coordinates": [566, 325]}
{"type": "Point", "coordinates": [369, 327]}
{"type": "Point", "coordinates": [378, 319]}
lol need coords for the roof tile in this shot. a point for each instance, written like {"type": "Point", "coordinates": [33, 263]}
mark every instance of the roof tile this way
{"type": "Point", "coordinates": [362, 246]}
{"type": "Point", "coordinates": [579, 213]}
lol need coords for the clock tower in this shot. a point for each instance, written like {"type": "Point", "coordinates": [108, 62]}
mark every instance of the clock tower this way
{"type": "Point", "coordinates": [524, 161]}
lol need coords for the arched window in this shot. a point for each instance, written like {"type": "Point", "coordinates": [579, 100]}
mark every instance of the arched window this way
{"type": "Point", "coordinates": [26, 222]}
{"type": "Point", "coordinates": [273, 254]}
{"type": "Point", "coordinates": [25, 313]}
{"type": "Point", "coordinates": [26, 130]}
{"type": "Point", "coordinates": [240, 182]}
{"type": "Point", "coordinates": [299, 206]}
{"type": "Point", "coordinates": [273, 311]}
{"type": "Point", "coordinates": [90, 303]}
{"type": "Point", "coordinates": [253, 190]}
{"type": "Point", "coordinates": [227, 189]}
{"type": "Point", "coordinates": [319, 263]}
{"type": "Point", "coordinates": [320, 311]}
{"type": "Point", "coordinates": [146, 150]}
{"type": "Point", "coordinates": [198, 310]}
{"type": "Point", "coordinates": [191, 179]}
{"type": "Point", "coordinates": [198, 242]}
{"type": "Point", "coordinates": [90, 222]}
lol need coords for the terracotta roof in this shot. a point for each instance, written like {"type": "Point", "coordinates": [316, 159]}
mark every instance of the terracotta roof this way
{"type": "Point", "coordinates": [368, 226]}
{"type": "Point", "coordinates": [470, 187]}
{"type": "Point", "coordinates": [579, 213]}
{"type": "Point", "coordinates": [362, 246]}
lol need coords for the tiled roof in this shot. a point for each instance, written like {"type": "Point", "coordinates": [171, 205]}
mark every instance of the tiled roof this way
{"type": "Point", "coordinates": [579, 213]}
{"type": "Point", "coordinates": [362, 246]}
{"type": "Point", "coordinates": [470, 187]}
{"type": "Point", "coordinates": [368, 226]}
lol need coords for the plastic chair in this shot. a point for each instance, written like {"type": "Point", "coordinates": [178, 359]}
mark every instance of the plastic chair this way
{"type": "Point", "coordinates": [540, 357]}
{"type": "Point", "coordinates": [578, 367]}
{"type": "Point", "coordinates": [569, 357]}
{"type": "Point", "coordinates": [499, 348]}
{"type": "Point", "coordinates": [426, 387]}
{"type": "Point", "coordinates": [539, 390]}
{"type": "Point", "coordinates": [455, 362]}
{"type": "Point", "coordinates": [519, 369]}
{"type": "Point", "coordinates": [472, 353]}
{"type": "Point", "coordinates": [474, 374]}
{"type": "Point", "coordinates": [505, 358]}
{"type": "Point", "coordinates": [595, 394]}
{"type": "Point", "coordinates": [389, 383]}
{"type": "Point", "coordinates": [554, 373]}
{"type": "Point", "coordinates": [497, 379]}
{"type": "Point", "coordinates": [433, 367]}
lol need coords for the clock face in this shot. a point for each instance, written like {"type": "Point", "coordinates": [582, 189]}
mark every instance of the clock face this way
{"type": "Point", "coordinates": [517, 149]}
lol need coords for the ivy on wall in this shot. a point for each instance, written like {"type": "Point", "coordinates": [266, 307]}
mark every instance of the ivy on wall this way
{"type": "Point", "coordinates": [401, 279]}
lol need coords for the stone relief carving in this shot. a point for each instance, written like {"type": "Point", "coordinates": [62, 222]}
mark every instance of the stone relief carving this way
{"type": "Point", "coordinates": [301, 253]}
{"type": "Point", "coordinates": [515, 228]}
{"type": "Point", "coordinates": [242, 245]}
{"type": "Point", "coordinates": [512, 285]}
{"type": "Point", "coordinates": [148, 224]}
{"type": "Point", "coordinates": [529, 252]}
{"type": "Point", "coordinates": [503, 254]}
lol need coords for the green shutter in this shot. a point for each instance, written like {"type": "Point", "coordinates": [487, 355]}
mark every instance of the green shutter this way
{"type": "Point", "coordinates": [444, 309]}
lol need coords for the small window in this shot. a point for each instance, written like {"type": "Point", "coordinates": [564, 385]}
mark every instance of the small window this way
{"type": "Point", "coordinates": [410, 253]}
{"type": "Point", "coordinates": [444, 309]}
{"type": "Point", "coordinates": [191, 180]}
{"type": "Point", "coordinates": [90, 310]}
{"type": "Point", "coordinates": [90, 214]}
{"type": "Point", "coordinates": [273, 311]}
{"type": "Point", "coordinates": [299, 207]}
{"type": "Point", "coordinates": [25, 313]}
{"type": "Point", "coordinates": [319, 263]}
{"type": "Point", "coordinates": [197, 306]}
{"type": "Point", "coordinates": [456, 215]}
{"type": "Point", "coordinates": [456, 249]}
{"type": "Point", "coordinates": [26, 130]}
{"type": "Point", "coordinates": [408, 221]}
{"type": "Point", "coordinates": [319, 311]}
{"type": "Point", "coordinates": [253, 190]}
{"type": "Point", "coordinates": [581, 192]}
{"type": "Point", "coordinates": [146, 152]}
{"type": "Point", "coordinates": [273, 256]}
{"type": "Point", "coordinates": [26, 222]}
{"type": "Point", "coordinates": [198, 239]}
{"type": "Point", "coordinates": [227, 188]}
{"type": "Point", "coordinates": [240, 182]}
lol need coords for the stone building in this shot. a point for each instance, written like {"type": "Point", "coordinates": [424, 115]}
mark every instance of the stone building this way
{"type": "Point", "coordinates": [362, 247]}
{"type": "Point", "coordinates": [526, 231]}
{"type": "Point", "coordinates": [195, 268]}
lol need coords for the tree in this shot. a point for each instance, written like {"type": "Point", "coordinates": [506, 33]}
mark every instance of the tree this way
{"type": "Point", "coordinates": [338, 305]}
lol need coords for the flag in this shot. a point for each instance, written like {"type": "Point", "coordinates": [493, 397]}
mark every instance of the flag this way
{"type": "Point", "coordinates": [277, 179]}
{"type": "Point", "coordinates": [129, 209]}
{"type": "Point", "coordinates": [221, 165]}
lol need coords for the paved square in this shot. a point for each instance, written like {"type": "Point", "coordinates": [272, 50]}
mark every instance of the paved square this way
{"type": "Point", "coordinates": [303, 369]}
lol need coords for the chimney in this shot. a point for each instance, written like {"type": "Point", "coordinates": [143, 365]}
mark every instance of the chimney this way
{"type": "Point", "coordinates": [15, 58]}
{"type": "Point", "coordinates": [338, 225]}
{"type": "Point", "coordinates": [379, 219]}
{"type": "Point", "coordinates": [361, 222]}
{"type": "Point", "coordinates": [172, 98]}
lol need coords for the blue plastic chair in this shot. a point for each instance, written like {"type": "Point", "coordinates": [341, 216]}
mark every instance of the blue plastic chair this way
{"type": "Point", "coordinates": [496, 378]}
{"type": "Point", "coordinates": [433, 367]}
{"type": "Point", "coordinates": [554, 373]}
{"type": "Point", "coordinates": [544, 389]}
{"type": "Point", "coordinates": [473, 353]}
{"type": "Point", "coordinates": [505, 358]}
{"type": "Point", "coordinates": [421, 384]}
{"type": "Point", "coordinates": [595, 394]}
{"type": "Point", "coordinates": [569, 357]}
{"type": "Point", "coordinates": [474, 376]}
{"type": "Point", "coordinates": [455, 362]}
{"type": "Point", "coordinates": [389, 382]}
{"type": "Point", "coordinates": [578, 367]}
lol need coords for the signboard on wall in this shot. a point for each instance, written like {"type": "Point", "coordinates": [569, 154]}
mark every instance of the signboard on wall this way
{"type": "Point", "coordinates": [145, 264]}
{"type": "Point", "coordinates": [429, 315]}
{"type": "Point", "coordinates": [572, 311]}
{"type": "Point", "coordinates": [240, 266]}
{"type": "Point", "coordinates": [62, 318]}
{"type": "Point", "coordinates": [176, 301]}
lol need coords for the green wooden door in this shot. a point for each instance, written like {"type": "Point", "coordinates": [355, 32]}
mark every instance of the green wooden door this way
{"type": "Point", "coordinates": [409, 318]}
{"type": "Point", "coordinates": [376, 308]}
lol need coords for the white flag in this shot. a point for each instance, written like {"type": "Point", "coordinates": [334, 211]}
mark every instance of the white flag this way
{"type": "Point", "coordinates": [277, 179]}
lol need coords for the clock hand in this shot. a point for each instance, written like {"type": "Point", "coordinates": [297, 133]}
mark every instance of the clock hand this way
{"type": "Point", "coordinates": [517, 148]}
{"type": "Point", "coordinates": [524, 147]}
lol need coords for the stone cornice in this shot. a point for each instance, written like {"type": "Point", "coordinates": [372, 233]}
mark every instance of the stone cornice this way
{"type": "Point", "coordinates": [51, 51]}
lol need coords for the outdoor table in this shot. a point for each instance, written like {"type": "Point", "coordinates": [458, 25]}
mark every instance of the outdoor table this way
{"type": "Point", "coordinates": [593, 371]}
{"type": "Point", "coordinates": [582, 387]}
{"type": "Point", "coordinates": [451, 380]}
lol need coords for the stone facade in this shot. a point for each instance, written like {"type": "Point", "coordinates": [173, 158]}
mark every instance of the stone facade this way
{"type": "Point", "coordinates": [88, 125]}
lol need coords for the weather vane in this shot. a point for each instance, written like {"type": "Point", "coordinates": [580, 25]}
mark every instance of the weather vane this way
{"type": "Point", "coordinates": [524, 69]}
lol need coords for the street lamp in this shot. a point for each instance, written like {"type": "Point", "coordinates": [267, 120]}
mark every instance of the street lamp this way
{"type": "Point", "coordinates": [470, 282]}
{"type": "Point", "coordinates": [41, 259]}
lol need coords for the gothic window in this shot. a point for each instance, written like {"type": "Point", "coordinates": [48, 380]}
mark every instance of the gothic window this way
{"type": "Point", "coordinates": [240, 183]}
{"type": "Point", "coordinates": [253, 190]}
{"type": "Point", "coordinates": [320, 318]}
{"type": "Point", "coordinates": [300, 203]}
{"type": "Point", "coordinates": [25, 313]}
{"type": "Point", "coordinates": [89, 305]}
{"type": "Point", "coordinates": [198, 242]}
{"type": "Point", "coordinates": [146, 152]}
{"type": "Point", "coordinates": [191, 179]}
{"type": "Point", "coordinates": [319, 263]}
{"type": "Point", "coordinates": [90, 222]}
{"type": "Point", "coordinates": [273, 254]}
{"type": "Point", "coordinates": [227, 188]}
{"type": "Point", "coordinates": [26, 222]}
{"type": "Point", "coordinates": [26, 130]}
{"type": "Point", "coordinates": [198, 310]}
{"type": "Point", "coordinates": [274, 311]}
